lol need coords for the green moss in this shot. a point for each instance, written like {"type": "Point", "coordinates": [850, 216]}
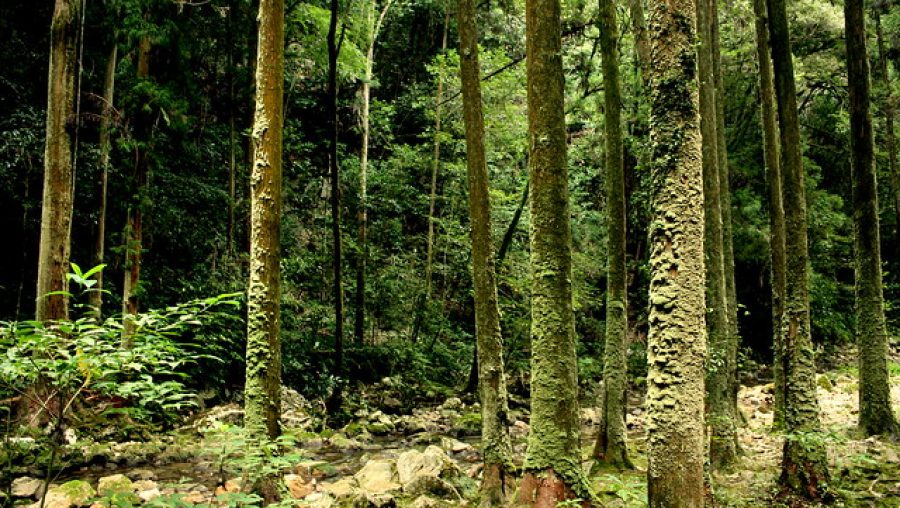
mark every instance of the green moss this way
{"type": "Point", "coordinates": [79, 492]}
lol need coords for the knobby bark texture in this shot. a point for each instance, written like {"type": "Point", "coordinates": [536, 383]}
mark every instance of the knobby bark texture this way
{"type": "Point", "coordinates": [58, 195]}
{"type": "Point", "coordinates": [134, 227]}
{"type": "Point", "coordinates": [677, 335]}
{"type": "Point", "coordinates": [334, 48]}
{"type": "Point", "coordinates": [720, 417]}
{"type": "Point", "coordinates": [262, 395]}
{"type": "Point", "coordinates": [495, 441]}
{"type": "Point", "coordinates": [109, 86]}
{"type": "Point", "coordinates": [875, 413]}
{"type": "Point", "coordinates": [771, 156]}
{"type": "Point", "coordinates": [610, 447]}
{"type": "Point", "coordinates": [803, 468]}
{"type": "Point", "coordinates": [552, 468]}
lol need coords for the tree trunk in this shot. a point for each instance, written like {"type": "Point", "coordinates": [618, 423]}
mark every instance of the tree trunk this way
{"type": "Point", "coordinates": [889, 140]}
{"type": "Point", "coordinates": [552, 468]}
{"type": "Point", "coordinates": [611, 447]}
{"type": "Point", "coordinates": [109, 84]}
{"type": "Point", "coordinates": [641, 41]}
{"type": "Point", "coordinates": [776, 208]}
{"type": "Point", "coordinates": [804, 467]}
{"type": "Point", "coordinates": [496, 447]}
{"type": "Point", "coordinates": [232, 142]}
{"type": "Point", "coordinates": [677, 335]}
{"type": "Point", "coordinates": [57, 200]}
{"type": "Point", "coordinates": [262, 394]}
{"type": "Point", "coordinates": [875, 413]}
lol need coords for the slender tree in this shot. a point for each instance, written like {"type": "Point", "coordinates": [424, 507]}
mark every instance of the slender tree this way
{"type": "Point", "coordinates": [334, 48]}
{"type": "Point", "coordinates": [495, 442]}
{"type": "Point", "coordinates": [888, 107]}
{"type": "Point", "coordinates": [776, 209]}
{"type": "Point", "coordinates": [641, 40]}
{"type": "Point", "coordinates": [262, 394]}
{"type": "Point", "coordinates": [611, 446]}
{"type": "Point", "coordinates": [552, 469]}
{"type": "Point", "coordinates": [57, 201]}
{"type": "Point", "coordinates": [875, 413]}
{"type": "Point", "coordinates": [109, 83]}
{"type": "Point", "coordinates": [677, 336]}
{"type": "Point", "coordinates": [803, 467]}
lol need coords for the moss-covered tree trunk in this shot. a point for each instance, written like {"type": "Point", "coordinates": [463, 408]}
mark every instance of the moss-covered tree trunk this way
{"type": "Point", "coordinates": [134, 226]}
{"type": "Point", "coordinates": [552, 468]}
{"type": "Point", "coordinates": [496, 447]}
{"type": "Point", "coordinates": [889, 139]}
{"type": "Point", "coordinates": [109, 85]}
{"type": "Point", "coordinates": [677, 336]}
{"type": "Point", "coordinates": [611, 445]}
{"type": "Point", "coordinates": [875, 413]}
{"type": "Point", "coordinates": [262, 394]}
{"type": "Point", "coordinates": [776, 209]}
{"type": "Point", "coordinates": [803, 467]}
{"type": "Point", "coordinates": [641, 40]}
{"type": "Point", "coordinates": [57, 200]}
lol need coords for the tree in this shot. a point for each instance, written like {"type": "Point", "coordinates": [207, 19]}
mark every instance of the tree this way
{"type": "Point", "coordinates": [677, 335]}
{"type": "Point", "coordinates": [552, 468]}
{"type": "Point", "coordinates": [262, 394]}
{"type": "Point", "coordinates": [495, 442]}
{"type": "Point", "coordinates": [57, 201]}
{"type": "Point", "coordinates": [776, 209]}
{"type": "Point", "coordinates": [334, 50]}
{"type": "Point", "coordinates": [875, 413]}
{"type": "Point", "coordinates": [611, 446]}
{"type": "Point", "coordinates": [803, 465]}
{"type": "Point", "coordinates": [889, 139]}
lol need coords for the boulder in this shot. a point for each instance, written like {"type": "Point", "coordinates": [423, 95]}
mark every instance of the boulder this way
{"type": "Point", "coordinates": [298, 486]}
{"type": "Point", "coordinates": [71, 493]}
{"type": "Point", "coordinates": [149, 494]}
{"type": "Point", "coordinates": [432, 462]}
{"type": "Point", "coordinates": [380, 500]}
{"type": "Point", "coordinates": [341, 490]}
{"type": "Point", "coordinates": [431, 485]}
{"type": "Point", "coordinates": [378, 476]}
{"type": "Point", "coordinates": [25, 487]}
{"type": "Point", "coordinates": [319, 500]}
{"type": "Point", "coordinates": [114, 484]}
{"type": "Point", "coordinates": [428, 502]}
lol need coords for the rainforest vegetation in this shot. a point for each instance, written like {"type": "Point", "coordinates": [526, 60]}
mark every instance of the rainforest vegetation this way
{"type": "Point", "coordinates": [435, 253]}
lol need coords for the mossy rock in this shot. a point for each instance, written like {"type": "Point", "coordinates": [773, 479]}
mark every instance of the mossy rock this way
{"type": "Point", "coordinates": [78, 492]}
{"type": "Point", "coordinates": [825, 383]}
{"type": "Point", "coordinates": [468, 424]}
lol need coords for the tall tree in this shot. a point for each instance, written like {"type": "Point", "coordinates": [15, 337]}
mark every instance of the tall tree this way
{"type": "Point", "coordinates": [889, 140]}
{"type": "Point", "coordinates": [495, 442]}
{"type": "Point", "coordinates": [262, 394]}
{"type": "Point", "coordinates": [57, 201]}
{"type": "Point", "coordinates": [803, 467]}
{"type": "Point", "coordinates": [134, 227]}
{"type": "Point", "coordinates": [109, 84]}
{"type": "Point", "coordinates": [334, 48]}
{"type": "Point", "coordinates": [776, 209]}
{"type": "Point", "coordinates": [677, 336]}
{"type": "Point", "coordinates": [875, 413]}
{"type": "Point", "coordinates": [363, 215]}
{"type": "Point", "coordinates": [611, 446]}
{"type": "Point", "coordinates": [552, 469]}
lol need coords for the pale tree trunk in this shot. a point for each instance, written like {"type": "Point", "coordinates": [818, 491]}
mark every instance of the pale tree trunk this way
{"type": "Point", "coordinates": [875, 413]}
{"type": "Point", "coordinates": [804, 466]}
{"type": "Point", "coordinates": [552, 468]}
{"type": "Point", "coordinates": [610, 447]}
{"type": "Point", "coordinates": [641, 40]}
{"type": "Point", "coordinates": [109, 84]}
{"type": "Point", "coordinates": [677, 335]}
{"type": "Point", "coordinates": [363, 216]}
{"type": "Point", "coordinates": [889, 140]}
{"type": "Point", "coordinates": [135, 222]}
{"type": "Point", "coordinates": [496, 447]}
{"type": "Point", "coordinates": [232, 142]}
{"type": "Point", "coordinates": [776, 209]}
{"type": "Point", "coordinates": [262, 393]}
{"type": "Point", "coordinates": [57, 200]}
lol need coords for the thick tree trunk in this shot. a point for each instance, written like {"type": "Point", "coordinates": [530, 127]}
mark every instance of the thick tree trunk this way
{"type": "Point", "coordinates": [495, 442]}
{"type": "Point", "coordinates": [776, 208]}
{"type": "Point", "coordinates": [57, 200]}
{"type": "Point", "coordinates": [875, 413]}
{"type": "Point", "coordinates": [262, 395]}
{"type": "Point", "coordinates": [109, 84]}
{"type": "Point", "coordinates": [677, 336]}
{"type": "Point", "coordinates": [611, 447]}
{"type": "Point", "coordinates": [804, 467]}
{"type": "Point", "coordinates": [552, 468]}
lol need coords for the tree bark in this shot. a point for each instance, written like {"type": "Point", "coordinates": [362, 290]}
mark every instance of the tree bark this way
{"type": "Point", "coordinates": [610, 447]}
{"type": "Point", "coordinates": [552, 468]}
{"type": "Point", "coordinates": [804, 467]}
{"type": "Point", "coordinates": [57, 199]}
{"type": "Point", "coordinates": [889, 140]}
{"type": "Point", "coordinates": [263, 389]}
{"type": "Point", "coordinates": [498, 478]}
{"type": "Point", "coordinates": [677, 335]}
{"type": "Point", "coordinates": [776, 207]}
{"type": "Point", "coordinates": [875, 413]}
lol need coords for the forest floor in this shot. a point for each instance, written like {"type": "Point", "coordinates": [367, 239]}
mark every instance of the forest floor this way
{"type": "Point", "coordinates": [429, 458]}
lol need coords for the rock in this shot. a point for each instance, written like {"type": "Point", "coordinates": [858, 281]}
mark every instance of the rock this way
{"type": "Point", "coordinates": [298, 486]}
{"type": "Point", "coordinates": [425, 484]}
{"type": "Point", "coordinates": [824, 383]}
{"type": "Point", "coordinates": [382, 500]}
{"type": "Point", "coordinates": [71, 493]}
{"type": "Point", "coordinates": [149, 494]}
{"type": "Point", "coordinates": [432, 462]}
{"type": "Point", "coordinates": [194, 497]}
{"type": "Point", "coordinates": [341, 489]}
{"type": "Point", "coordinates": [319, 500]}
{"type": "Point", "coordinates": [427, 502]}
{"type": "Point", "coordinates": [144, 485]}
{"type": "Point", "coordinates": [27, 487]}
{"type": "Point", "coordinates": [343, 442]}
{"type": "Point", "coordinates": [519, 429]}
{"type": "Point", "coordinates": [451, 403]}
{"type": "Point", "coordinates": [226, 414]}
{"type": "Point", "coordinates": [114, 484]}
{"type": "Point", "coordinates": [455, 445]}
{"type": "Point", "coordinates": [378, 476]}
{"type": "Point", "coordinates": [142, 474]}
